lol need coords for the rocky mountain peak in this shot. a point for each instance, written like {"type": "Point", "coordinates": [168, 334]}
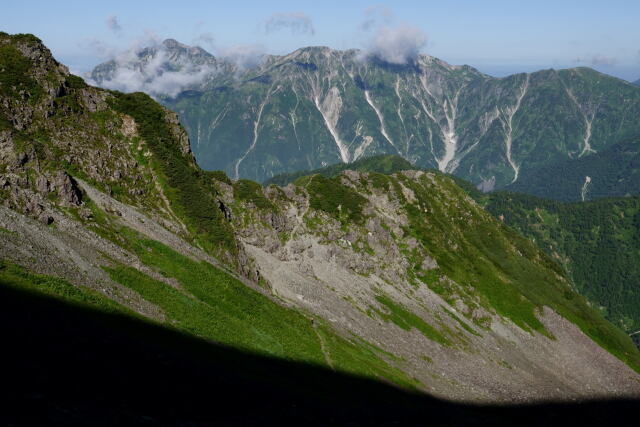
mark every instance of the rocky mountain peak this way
{"type": "Point", "coordinates": [37, 60]}
{"type": "Point", "coordinates": [173, 44]}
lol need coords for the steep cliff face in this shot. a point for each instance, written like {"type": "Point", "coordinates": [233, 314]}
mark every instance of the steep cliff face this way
{"type": "Point", "coordinates": [402, 278]}
{"type": "Point", "coordinates": [318, 106]}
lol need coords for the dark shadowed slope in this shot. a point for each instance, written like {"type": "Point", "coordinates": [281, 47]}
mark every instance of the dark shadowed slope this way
{"type": "Point", "coordinates": [69, 365]}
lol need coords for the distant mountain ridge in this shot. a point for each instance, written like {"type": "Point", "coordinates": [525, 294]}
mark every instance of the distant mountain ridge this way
{"type": "Point", "coordinates": [317, 106]}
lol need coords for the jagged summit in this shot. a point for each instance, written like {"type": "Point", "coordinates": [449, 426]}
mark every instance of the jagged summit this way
{"type": "Point", "coordinates": [193, 51]}
{"type": "Point", "coordinates": [172, 44]}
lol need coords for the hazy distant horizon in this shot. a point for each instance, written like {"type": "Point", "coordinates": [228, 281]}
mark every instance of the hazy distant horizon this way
{"type": "Point", "coordinates": [497, 37]}
{"type": "Point", "coordinates": [80, 65]}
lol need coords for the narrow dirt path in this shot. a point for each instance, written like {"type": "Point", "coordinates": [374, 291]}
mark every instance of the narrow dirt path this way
{"type": "Point", "coordinates": [323, 346]}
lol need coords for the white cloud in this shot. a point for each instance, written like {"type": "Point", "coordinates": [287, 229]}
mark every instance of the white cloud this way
{"type": "Point", "coordinates": [375, 16]}
{"type": "Point", "coordinates": [598, 59]}
{"type": "Point", "coordinates": [204, 40]}
{"type": "Point", "coordinates": [113, 24]}
{"type": "Point", "coordinates": [244, 56]}
{"type": "Point", "coordinates": [397, 45]}
{"type": "Point", "coordinates": [389, 40]}
{"type": "Point", "coordinates": [295, 22]}
{"type": "Point", "coordinates": [155, 75]}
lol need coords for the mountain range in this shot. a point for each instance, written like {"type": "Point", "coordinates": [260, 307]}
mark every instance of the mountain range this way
{"type": "Point", "coordinates": [317, 106]}
{"type": "Point", "coordinates": [399, 276]}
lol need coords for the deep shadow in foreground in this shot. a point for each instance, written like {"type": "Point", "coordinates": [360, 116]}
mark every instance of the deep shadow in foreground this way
{"type": "Point", "coordinates": [66, 365]}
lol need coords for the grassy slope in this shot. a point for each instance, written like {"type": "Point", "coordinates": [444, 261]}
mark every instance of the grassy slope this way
{"type": "Point", "coordinates": [16, 277]}
{"type": "Point", "coordinates": [210, 304]}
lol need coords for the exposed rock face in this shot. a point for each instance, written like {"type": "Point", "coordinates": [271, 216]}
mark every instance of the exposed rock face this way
{"type": "Point", "coordinates": [68, 189]}
{"type": "Point", "coordinates": [179, 132]}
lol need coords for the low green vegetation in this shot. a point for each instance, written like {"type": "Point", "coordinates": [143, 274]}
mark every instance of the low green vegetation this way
{"type": "Point", "coordinates": [15, 73]}
{"type": "Point", "coordinates": [363, 359]}
{"type": "Point", "coordinates": [250, 191]}
{"type": "Point", "coordinates": [219, 176]}
{"type": "Point", "coordinates": [336, 199]}
{"type": "Point", "coordinates": [477, 262]}
{"type": "Point", "coordinates": [17, 277]}
{"type": "Point", "coordinates": [407, 320]}
{"type": "Point", "coordinates": [5, 123]}
{"type": "Point", "coordinates": [191, 195]}
{"type": "Point", "coordinates": [75, 82]}
{"type": "Point", "coordinates": [462, 324]}
{"type": "Point", "coordinates": [210, 303]}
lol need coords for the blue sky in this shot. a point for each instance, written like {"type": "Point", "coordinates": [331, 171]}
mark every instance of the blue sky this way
{"type": "Point", "coordinates": [498, 37]}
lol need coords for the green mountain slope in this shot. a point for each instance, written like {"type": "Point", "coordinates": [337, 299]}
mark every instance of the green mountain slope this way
{"type": "Point", "coordinates": [318, 106]}
{"type": "Point", "coordinates": [401, 278]}
{"type": "Point", "coordinates": [615, 171]}
{"type": "Point", "coordinates": [136, 373]}
{"type": "Point", "coordinates": [598, 243]}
